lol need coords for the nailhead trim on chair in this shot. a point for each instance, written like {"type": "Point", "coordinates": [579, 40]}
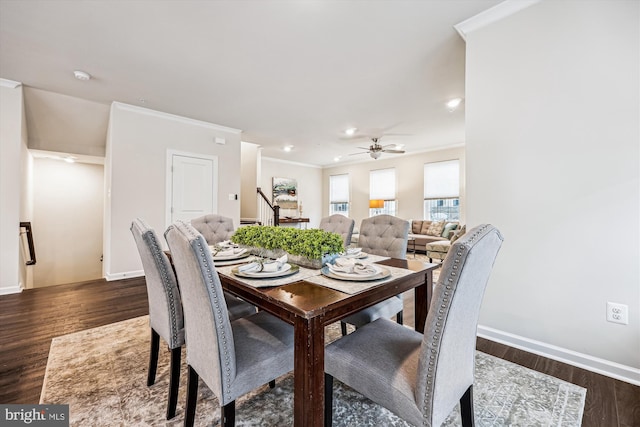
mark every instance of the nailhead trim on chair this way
{"type": "Point", "coordinates": [218, 312]}
{"type": "Point", "coordinates": [156, 251]}
{"type": "Point", "coordinates": [443, 312]}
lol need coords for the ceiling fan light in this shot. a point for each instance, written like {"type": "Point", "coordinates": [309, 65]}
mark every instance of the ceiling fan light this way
{"type": "Point", "coordinates": [375, 154]}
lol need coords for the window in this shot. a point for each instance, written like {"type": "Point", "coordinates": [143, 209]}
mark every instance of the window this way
{"type": "Point", "coordinates": [339, 194]}
{"type": "Point", "coordinates": [382, 186]}
{"type": "Point", "coordinates": [442, 190]}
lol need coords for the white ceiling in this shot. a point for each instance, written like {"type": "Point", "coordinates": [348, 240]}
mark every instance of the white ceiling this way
{"type": "Point", "coordinates": [284, 72]}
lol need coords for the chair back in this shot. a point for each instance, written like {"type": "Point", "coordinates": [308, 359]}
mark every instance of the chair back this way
{"type": "Point", "coordinates": [447, 354]}
{"type": "Point", "coordinates": [214, 228]}
{"type": "Point", "coordinates": [209, 338]}
{"type": "Point", "coordinates": [384, 235]}
{"type": "Point", "coordinates": [165, 305]}
{"type": "Point", "coordinates": [339, 224]}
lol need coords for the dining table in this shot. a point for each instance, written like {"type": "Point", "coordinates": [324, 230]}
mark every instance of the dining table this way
{"type": "Point", "coordinates": [309, 301]}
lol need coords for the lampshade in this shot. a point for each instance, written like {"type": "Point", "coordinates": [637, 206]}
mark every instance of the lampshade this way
{"type": "Point", "coordinates": [376, 204]}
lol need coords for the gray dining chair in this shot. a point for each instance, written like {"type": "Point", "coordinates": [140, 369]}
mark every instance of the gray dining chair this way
{"type": "Point", "coordinates": [384, 235]}
{"type": "Point", "coordinates": [215, 228]}
{"type": "Point", "coordinates": [165, 307]}
{"type": "Point", "coordinates": [421, 378]}
{"type": "Point", "coordinates": [231, 357]}
{"type": "Point", "coordinates": [338, 224]}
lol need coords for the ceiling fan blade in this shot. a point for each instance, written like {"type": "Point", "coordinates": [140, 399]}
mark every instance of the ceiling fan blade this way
{"type": "Point", "coordinates": [364, 148]}
{"type": "Point", "coordinates": [393, 151]}
{"type": "Point", "coordinates": [354, 154]}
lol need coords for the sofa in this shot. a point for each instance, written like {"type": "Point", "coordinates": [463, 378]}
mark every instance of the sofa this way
{"type": "Point", "coordinates": [425, 232]}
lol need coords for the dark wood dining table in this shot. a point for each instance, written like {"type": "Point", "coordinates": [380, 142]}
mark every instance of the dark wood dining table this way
{"type": "Point", "coordinates": [309, 307]}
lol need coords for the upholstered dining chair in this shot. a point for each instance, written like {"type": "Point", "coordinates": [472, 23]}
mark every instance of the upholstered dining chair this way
{"type": "Point", "coordinates": [231, 357]}
{"type": "Point", "coordinates": [384, 235]}
{"type": "Point", "coordinates": [420, 377]}
{"type": "Point", "coordinates": [214, 228]}
{"type": "Point", "coordinates": [338, 224]}
{"type": "Point", "coordinates": [165, 307]}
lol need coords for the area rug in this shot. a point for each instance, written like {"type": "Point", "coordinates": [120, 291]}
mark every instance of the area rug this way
{"type": "Point", "coordinates": [101, 374]}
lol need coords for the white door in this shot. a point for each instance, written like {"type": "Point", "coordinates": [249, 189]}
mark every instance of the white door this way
{"type": "Point", "coordinates": [194, 186]}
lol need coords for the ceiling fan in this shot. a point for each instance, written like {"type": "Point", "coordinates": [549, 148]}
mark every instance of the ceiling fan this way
{"type": "Point", "coordinates": [375, 150]}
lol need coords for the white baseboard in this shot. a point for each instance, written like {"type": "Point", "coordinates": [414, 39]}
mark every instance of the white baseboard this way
{"type": "Point", "coordinates": [11, 290]}
{"type": "Point", "coordinates": [125, 275]}
{"type": "Point", "coordinates": [580, 360]}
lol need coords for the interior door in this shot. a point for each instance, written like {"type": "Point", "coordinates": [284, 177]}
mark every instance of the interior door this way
{"type": "Point", "coordinates": [194, 186]}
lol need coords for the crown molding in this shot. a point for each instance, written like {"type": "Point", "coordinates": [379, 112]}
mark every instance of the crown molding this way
{"type": "Point", "coordinates": [9, 83]}
{"type": "Point", "coordinates": [169, 116]}
{"type": "Point", "coordinates": [491, 15]}
{"type": "Point", "coordinates": [289, 162]}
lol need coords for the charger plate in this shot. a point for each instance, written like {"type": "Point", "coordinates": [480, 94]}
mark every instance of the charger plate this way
{"type": "Point", "coordinates": [381, 274]}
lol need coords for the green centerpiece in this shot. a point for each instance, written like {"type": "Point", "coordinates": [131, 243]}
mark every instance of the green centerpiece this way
{"type": "Point", "coordinates": [309, 248]}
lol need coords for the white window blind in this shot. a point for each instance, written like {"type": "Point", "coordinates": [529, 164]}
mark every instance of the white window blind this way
{"type": "Point", "coordinates": [382, 184]}
{"type": "Point", "coordinates": [442, 179]}
{"type": "Point", "coordinates": [339, 188]}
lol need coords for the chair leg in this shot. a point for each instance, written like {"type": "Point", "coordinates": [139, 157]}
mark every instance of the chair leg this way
{"type": "Point", "coordinates": [466, 408]}
{"type": "Point", "coordinates": [174, 381]}
{"type": "Point", "coordinates": [328, 400]}
{"type": "Point", "coordinates": [272, 384]}
{"type": "Point", "coordinates": [399, 318]}
{"type": "Point", "coordinates": [343, 328]}
{"type": "Point", "coordinates": [153, 357]}
{"type": "Point", "coordinates": [228, 414]}
{"type": "Point", "coordinates": [192, 398]}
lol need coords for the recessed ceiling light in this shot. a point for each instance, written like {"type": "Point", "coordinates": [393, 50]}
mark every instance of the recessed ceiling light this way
{"type": "Point", "coordinates": [82, 75]}
{"type": "Point", "coordinates": [350, 131]}
{"type": "Point", "coordinates": [70, 159]}
{"type": "Point", "coordinates": [288, 148]}
{"type": "Point", "coordinates": [337, 158]}
{"type": "Point", "coordinates": [453, 104]}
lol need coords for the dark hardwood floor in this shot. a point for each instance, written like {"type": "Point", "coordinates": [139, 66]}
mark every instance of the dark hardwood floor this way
{"type": "Point", "coordinates": [29, 320]}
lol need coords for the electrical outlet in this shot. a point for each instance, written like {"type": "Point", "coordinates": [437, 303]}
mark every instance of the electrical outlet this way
{"type": "Point", "coordinates": [617, 313]}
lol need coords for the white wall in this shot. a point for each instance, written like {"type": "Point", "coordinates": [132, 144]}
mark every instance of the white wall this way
{"type": "Point", "coordinates": [135, 174]}
{"type": "Point", "coordinates": [309, 186]}
{"type": "Point", "coordinates": [67, 221]}
{"type": "Point", "coordinates": [12, 139]}
{"type": "Point", "coordinates": [552, 111]}
{"type": "Point", "coordinates": [409, 182]}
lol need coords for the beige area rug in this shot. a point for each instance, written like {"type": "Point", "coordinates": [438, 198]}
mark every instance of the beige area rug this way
{"type": "Point", "coordinates": [101, 374]}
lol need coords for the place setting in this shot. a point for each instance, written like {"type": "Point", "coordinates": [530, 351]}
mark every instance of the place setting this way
{"type": "Point", "coordinates": [354, 253]}
{"type": "Point", "coordinates": [264, 268]}
{"type": "Point", "coordinates": [344, 268]}
{"type": "Point", "coordinates": [227, 253]}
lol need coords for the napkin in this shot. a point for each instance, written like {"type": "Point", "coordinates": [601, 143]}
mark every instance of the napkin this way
{"type": "Point", "coordinates": [345, 265]}
{"type": "Point", "coordinates": [267, 266]}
